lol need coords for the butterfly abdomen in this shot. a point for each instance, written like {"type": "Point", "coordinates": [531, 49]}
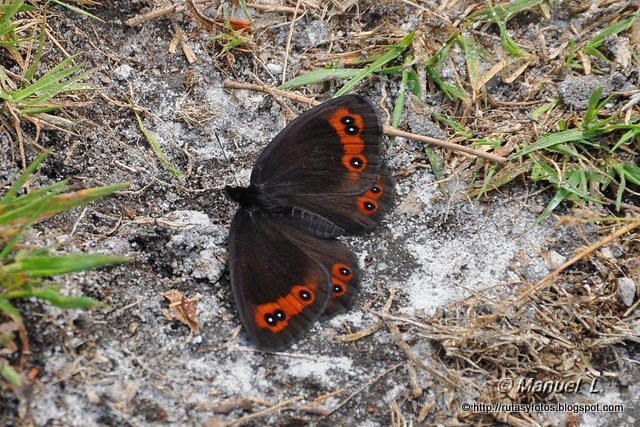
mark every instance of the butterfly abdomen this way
{"type": "Point", "coordinates": [313, 224]}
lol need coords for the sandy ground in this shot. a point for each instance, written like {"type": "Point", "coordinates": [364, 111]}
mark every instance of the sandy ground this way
{"type": "Point", "coordinates": [129, 365]}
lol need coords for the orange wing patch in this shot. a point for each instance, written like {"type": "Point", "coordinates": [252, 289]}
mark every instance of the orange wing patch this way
{"type": "Point", "coordinates": [349, 126]}
{"type": "Point", "coordinates": [367, 203]}
{"type": "Point", "coordinates": [340, 274]}
{"type": "Point", "coordinates": [275, 315]}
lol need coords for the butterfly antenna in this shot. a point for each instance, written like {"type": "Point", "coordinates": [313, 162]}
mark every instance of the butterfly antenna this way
{"type": "Point", "coordinates": [224, 153]}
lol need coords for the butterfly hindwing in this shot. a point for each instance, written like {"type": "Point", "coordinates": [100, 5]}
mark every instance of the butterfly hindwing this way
{"type": "Point", "coordinates": [330, 149]}
{"type": "Point", "coordinates": [351, 213]}
{"type": "Point", "coordinates": [283, 279]}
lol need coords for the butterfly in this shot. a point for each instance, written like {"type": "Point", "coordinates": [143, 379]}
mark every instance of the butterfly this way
{"type": "Point", "coordinates": [321, 177]}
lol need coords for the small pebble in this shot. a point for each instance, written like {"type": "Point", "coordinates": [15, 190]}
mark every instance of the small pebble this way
{"type": "Point", "coordinates": [274, 68]}
{"type": "Point", "coordinates": [123, 72]}
{"type": "Point", "coordinates": [556, 260]}
{"type": "Point", "coordinates": [626, 290]}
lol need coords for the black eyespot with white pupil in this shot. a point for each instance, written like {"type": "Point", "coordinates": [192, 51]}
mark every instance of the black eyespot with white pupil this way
{"type": "Point", "coordinates": [369, 206]}
{"type": "Point", "coordinates": [344, 271]}
{"type": "Point", "coordinates": [270, 319]}
{"type": "Point", "coordinates": [337, 289]}
{"type": "Point", "coordinates": [375, 189]}
{"type": "Point", "coordinates": [356, 162]}
{"type": "Point", "coordinates": [305, 295]}
{"type": "Point", "coordinates": [349, 125]}
{"type": "Point", "coordinates": [280, 314]}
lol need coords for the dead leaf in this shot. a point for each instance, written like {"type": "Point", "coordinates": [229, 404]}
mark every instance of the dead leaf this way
{"type": "Point", "coordinates": [183, 309]}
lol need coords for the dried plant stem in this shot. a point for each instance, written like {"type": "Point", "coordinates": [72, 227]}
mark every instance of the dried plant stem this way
{"type": "Point", "coordinates": [264, 412]}
{"type": "Point", "coordinates": [444, 144]}
{"type": "Point", "coordinates": [158, 13]}
{"type": "Point", "coordinates": [583, 254]}
{"type": "Point", "coordinates": [272, 8]}
{"type": "Point", "coordinates": [288, 45]}
{"type": "Point", "coordinates": [386, 129]}
{"type": "Point", "coordinates": [364, 386]}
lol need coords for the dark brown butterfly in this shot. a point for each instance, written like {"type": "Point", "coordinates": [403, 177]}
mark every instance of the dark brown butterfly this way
{"type": "Point", "coordinates": [321, 177]}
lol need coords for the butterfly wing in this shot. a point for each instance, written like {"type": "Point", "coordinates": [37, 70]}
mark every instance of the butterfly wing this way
{"type": "Point", "coordinates": [332, 148]}
{"type": "Point", "coordinates": [283, 279]}
{"type": "Point", "coordinates": [351, 213]}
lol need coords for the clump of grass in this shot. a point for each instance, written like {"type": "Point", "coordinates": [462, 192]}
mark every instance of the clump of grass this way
{"type": "Point", "coordinates": [374, 63]}
{"type": "Point", "coordinates": [30, 96]}
{"type": "Point", "coordinates": [24, 270]}
{"type": "Point", "coordinates": [492, 348]}
{"type": "Point", "coordinates": [582, 162]}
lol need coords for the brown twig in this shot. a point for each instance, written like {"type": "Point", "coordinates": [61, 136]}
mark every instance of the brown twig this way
{"type": "Point", "coordinates": [288, 45]}
{"type": "Point", "coordinates": [583, 254]}
{"type": "Point", "coordinates": [158, 13]}
{"type": "Point", "coordinates": [386, 129]}
{"type": "Point", "coordinates": [371, 328]}
{"type": "Point", "coordinates": [444, 144]}
{"type": "Point", "coordinates": [364, 386]}
{"type": "Point", "coordinates": [272, 9]}
{"type": "Point", "coordinates": [264, 412]}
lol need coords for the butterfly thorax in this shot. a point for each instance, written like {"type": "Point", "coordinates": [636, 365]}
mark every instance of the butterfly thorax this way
{"type": "Point", "coordinates": [253, 197]}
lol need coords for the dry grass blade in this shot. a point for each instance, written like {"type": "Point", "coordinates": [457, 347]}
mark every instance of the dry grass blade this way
{"type": "Point", "coordinates": [265, 412]}
{"type": "Point", "coordinates": [563, 331]}
{"type": "Point", "coordinates": [372, 328]}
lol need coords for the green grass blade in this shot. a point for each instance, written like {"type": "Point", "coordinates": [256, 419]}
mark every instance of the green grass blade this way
{"type": "Point", "coordinates": [592, 107]}
{"type": "Point", "coordinates": [628, 136]}
{"type": "Point", "coordinates": [567, 186]}
{"type": "Point", "coordinates": [505, 39]}
{"type": "Point", "coordinates": [25, 199]}
{"type": "Point", "coordinates": [50, 204]}
{"type": "Point", "coordinates": [413, 81]}
{"type": "Point", "coordinates": [472, 57]}
{"type": "Point", "coordinates": [398, 108]}
{"type": "Point", "coordinates": [77, 10]}
{"type": "Point", "coordinates": [544, 108]}
{"type": "Point", "coordinates": [506, 11]}
{"type": "Point", "coordinates": [393, 53]}
{"type": "Point", "coordinates": [622, 185]}
{"type": "Point", "coordinates": [49, 79]}
{"type": "Point", "coordinates": [616, 28]}
{"type": "Point", "coordinates": [52, 294]}
{"type": "Point", "coordinates": [505, 176]}
{"type": "Point", "coordinates": [46, 265]}
{"type": "Point", "coordinates": [632, 173]}
{"type": "Point", "coordinates": [8, 308]}
{"type": "Point", "coordinates": [155, 146]}
{"type": "Point", "coordinates": [457, 127]}
{"type": "Point", "coordinates": [319, 76]}
{"type": "Point", "coordinates": [56, 88]}
{"type": "Point", "coordinates": [10, 375]}
{"type": "Point", "coordinates": [67, 201]}
{"type": "Point", "coordinates": [22, 179]}
{"type": "Point", "coordinates": [4, 253]}
{"type": "Point", "coordinates": [550, 140]}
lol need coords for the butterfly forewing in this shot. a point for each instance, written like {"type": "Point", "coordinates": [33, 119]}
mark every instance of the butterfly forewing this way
{"type": "Point", "coordinates": [332, 148]}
